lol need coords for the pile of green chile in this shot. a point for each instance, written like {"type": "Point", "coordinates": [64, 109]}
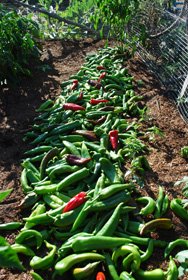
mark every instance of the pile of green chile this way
{"type": "Point", "coordinates": [85, 211]}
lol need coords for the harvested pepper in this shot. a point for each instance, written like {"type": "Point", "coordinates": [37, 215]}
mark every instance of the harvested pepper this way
{"type": "Point", "coordinates": [113, 134]}
{"type": "Point", "coordinates": [85, 272]}
{"type": "Point", "coordinates": [86, 133]}
{"type": "Point", "coordinates": [178, 209]}
{"type": "Point", "coordinates": [75, 160]}
{"type": "Point", "coordinates": [100, 67]}
{"type": "Point", "coordinates": [161, 223]}
{"type": "Point", "coordinates": [100, 276]}
{"type": "Point", "coordinates": [75, 201]}
{"type": "Point", "coordinates": [73, 107]}
{"type": "Point", "coordinates": [97, 101]}
{"type": "Point", "coordinates": [74, 84]}
{"type": "Point", "coordinates": [102, 76]}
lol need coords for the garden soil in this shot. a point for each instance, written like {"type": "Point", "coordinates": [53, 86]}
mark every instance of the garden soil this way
{"type": "Point", "coordinates": [59, 60]}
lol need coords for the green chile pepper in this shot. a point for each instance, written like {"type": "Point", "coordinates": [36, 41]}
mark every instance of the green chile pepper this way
{"type": "Point", "coordinates": [150, 205]}
{"type": "Point", "coordinates": [45, 262]}
{"type": "Point", "coordinates": [156, 274]}
{"type": "Point", "coordinates": [36, 276]}
{"type": "Point", "coordinates": [87, 243]}
{"type": "Point", "coordinates": [149, 251]}
{"type": "Point", "coordinates": [159, 202]}
{"type": "Point", "coordinates": [26, 235]}
{"type": "Point", "coordinates": [173, 244]}
{"type": "Point", "coordinates": [172, 272]}
{"type": "Point", "coordinates": [40, 209]}
{"type": "Point", "coordinates": [23, 249]}
{"type": "Point", "coordinates": [68, 262]}
{"type": "Point", "coordinates": [111, 267]}
{"type": "Point", "coordinates": [10, 226]}
{"type": "Point", "coordinates": [73, 178]}
{"type": "Point", "coordinates": [178, 209]}
{"type": "Point", "coordinates": [125, 276]}
{"type": "Point", "coordinates": [128, 250]}
{"type": "Point", "coordinates": [47, 157]}
{"type": "Point", "coordinates": [109, 228]}
{"type": "Point", "coordinates": [84, 272]}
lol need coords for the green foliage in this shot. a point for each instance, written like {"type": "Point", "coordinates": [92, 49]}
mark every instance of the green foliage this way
{"type": "Point", "coordinates": [17, 44]}
{"type": "Point", "coordinates": [114, 14]}
{"type": "Point", "coordinates": [8, 257]}
{"type": "Point", "coordinates": [4, 194]}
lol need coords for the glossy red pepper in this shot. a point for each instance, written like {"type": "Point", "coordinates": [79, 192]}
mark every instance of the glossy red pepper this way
{"type": "Point", "coordinates": [113, 134]}
{"type": "Point", "coordinates": [75, 201]}
{"type": "Point", "coordinates": [74, 84]}
{"type": "Point", "coordinates": [102, 75]}
{"type": "Point", "coordinates": [100, 276]}
{"type": "Point", "coordinates": [73, 107]}
{"type": "Point", "coordinates": [100, 67]}
{"type": "Point", "coordinates": [97, 101]}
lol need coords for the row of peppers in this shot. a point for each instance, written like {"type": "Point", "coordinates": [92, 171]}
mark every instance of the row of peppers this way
{"type": "Point", "coordinates": [83, 208]}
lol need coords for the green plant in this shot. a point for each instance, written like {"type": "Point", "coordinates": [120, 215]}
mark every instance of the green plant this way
{"type": "Point", "coordinates": [17, 44]}
{"type": "Point", "coordinates": [113, 17]}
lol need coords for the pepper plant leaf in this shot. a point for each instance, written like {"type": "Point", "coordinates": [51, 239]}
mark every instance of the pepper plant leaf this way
{"type": "Point", "coordinates": [182, 258]}
{"type": "Point", "coordinates": [4, 194]}
{"type": "Point", "coordinates": [8, 257]}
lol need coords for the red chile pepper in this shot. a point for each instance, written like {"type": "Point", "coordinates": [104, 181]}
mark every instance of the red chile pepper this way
{"type": "Point", "coordinates": [97, 101]}
{"type": "Point", "coordinates": [102, 75]}
{"type": "Point", "coordinates": [75, 201]}
{"type": "Point", "coordinates": [73, 107]}
{"type": "Point", "coordinates": [74, 84]}
{"type": "Point", "coordinates": [100, 276]}
{"type": "Point", "coordinates": [113, 134]}
{"type": "Point", "coordinates": [80, 97]}
{"type": "Point", "coordinates": [75, 160]}
{"type": "Point", "coordinates": [100, 67]}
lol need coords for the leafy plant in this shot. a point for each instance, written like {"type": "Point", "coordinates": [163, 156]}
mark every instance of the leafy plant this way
{"type": "Point", "coordinates": [182, 258]}
{"type": "Point", "coordinates": [4, 194]}
{"type": "Point", "coordinates": [113, 17]}
{"type": "Point", "coordinates": [17, 44]}
{"type": "Point", "coordinates": [183, 181]}
{"type": "Point", "coordinates": [8, 256]}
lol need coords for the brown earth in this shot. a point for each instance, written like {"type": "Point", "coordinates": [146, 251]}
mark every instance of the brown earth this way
{"type": "Point", "coordinates": [17, 110]}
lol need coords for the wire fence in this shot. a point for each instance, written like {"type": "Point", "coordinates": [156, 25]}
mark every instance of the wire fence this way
{"type": "Point", "coordinates": [166, 53]}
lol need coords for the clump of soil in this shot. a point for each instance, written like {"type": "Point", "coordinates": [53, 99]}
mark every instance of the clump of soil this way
{"type": "Point", "coordinates": [59, 60]}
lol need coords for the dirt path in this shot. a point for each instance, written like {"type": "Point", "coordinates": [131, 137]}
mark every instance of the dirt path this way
{"type": "Point", "coordinates": [17, 111]}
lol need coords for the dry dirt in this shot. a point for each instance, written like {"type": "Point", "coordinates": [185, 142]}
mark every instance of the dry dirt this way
{"type": "Point", "coordinates": [17, 110]}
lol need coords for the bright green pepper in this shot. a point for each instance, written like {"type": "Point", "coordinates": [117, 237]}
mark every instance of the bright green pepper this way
{"type": "Point", "coordinates": [87, 243]}
{"type": "Point", "coordinates": [150, 205]}
{"type": "Point", "coordinates": [84, 272]}
{"type": "Point", "coordinates": [173, 244]}
{"type": "Point", "coordinates": [23, 249]}
{"type": "Point", "coordinates": [10, 226]}
{"type": "Point", "coordinates": [26, 235]}
{"type": "Point", "coordinates": [178, 209]}
{"type": "Point", "coordinates": [109, 228]}
{"type": "Point", "coordinates": [156, 274]}
{"type": "Point", "coordinates": [68, 262]}
{"type": "Point", "coordinates": [127, 250]}
{"type": "Point", "coordinates": [111, 267]}
{"type": "Point", "coordinates": [45, 262]}
{"type": "Point", "coordinates": [172, 273]}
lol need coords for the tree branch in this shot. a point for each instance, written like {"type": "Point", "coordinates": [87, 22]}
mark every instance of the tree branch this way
{"type": "Point", "coordinates": [52, 15]}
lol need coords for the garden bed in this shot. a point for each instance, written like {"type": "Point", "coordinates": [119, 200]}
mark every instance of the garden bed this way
{"type": "Point", "coordinates": [17, 111]}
